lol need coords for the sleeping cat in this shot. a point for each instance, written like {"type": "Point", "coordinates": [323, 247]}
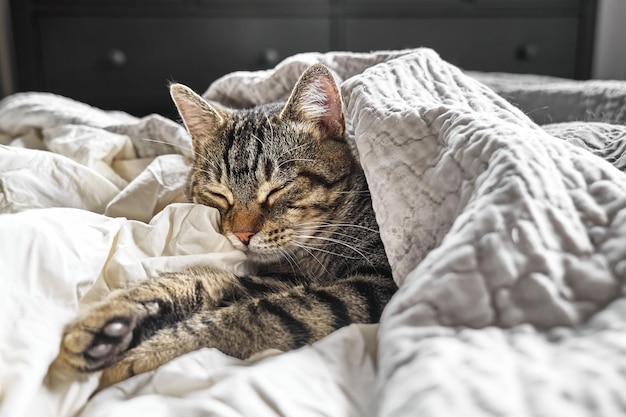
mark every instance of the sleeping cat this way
{"type": "Point", "coordinates": [294, 199]}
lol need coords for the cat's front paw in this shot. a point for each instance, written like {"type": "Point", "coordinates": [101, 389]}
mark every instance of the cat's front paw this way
{"type": "Point", "coordinates": [97, 339]}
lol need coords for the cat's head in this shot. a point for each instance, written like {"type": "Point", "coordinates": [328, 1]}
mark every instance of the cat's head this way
{"type": "Point", "coordinates": [277, 173]}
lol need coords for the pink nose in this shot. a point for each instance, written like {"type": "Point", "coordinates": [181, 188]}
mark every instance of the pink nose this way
{"type": "Point", "coordinates": [244, 237]}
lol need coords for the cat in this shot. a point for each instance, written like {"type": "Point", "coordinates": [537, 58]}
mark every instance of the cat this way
{"type": "Point", "coordinates": [293, 197]}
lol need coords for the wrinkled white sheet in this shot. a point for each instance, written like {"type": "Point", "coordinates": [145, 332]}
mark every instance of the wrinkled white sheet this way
{"type": "Point", "coordinates": [508, 242]}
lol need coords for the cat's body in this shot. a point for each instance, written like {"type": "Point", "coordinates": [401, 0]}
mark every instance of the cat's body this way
{"type": "Point", "coordinates": [293, 197]}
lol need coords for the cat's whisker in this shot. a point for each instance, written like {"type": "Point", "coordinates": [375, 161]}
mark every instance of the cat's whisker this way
{"type": "Point", "coordinates": [319, 224]}
{"type": "Point", "coordinates": [291, 150]}
{"type": "Point", "coordinates": [175, 145]}
{"type": "Point", "coordinates": [337, 241]}
{"type": "Point", "coordinates": [303, 246]}
{"type": "Point", "coordinates": [210, 174]}
{"type": "Point", "coordinates": [291, 261]}
{"type": "Point", "coordinates": [309, 251]}
{"type": "Point", "coordinates": [257, 138]}
{"type": "Point", "coordinates": [330, 244]}
{"type": "Point", "coordinates": [330, 233]}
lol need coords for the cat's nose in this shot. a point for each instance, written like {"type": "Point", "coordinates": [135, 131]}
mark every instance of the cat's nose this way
{"type": "Point", "coordinates": [244, 237]}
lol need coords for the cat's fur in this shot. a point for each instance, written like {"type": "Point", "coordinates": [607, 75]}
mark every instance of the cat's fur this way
{"type": "Point", "coordinates": [293, 197]}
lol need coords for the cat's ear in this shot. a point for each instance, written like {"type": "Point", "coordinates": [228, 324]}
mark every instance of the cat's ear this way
{"type": "Point", "coordinates": [200, 118]}
{"type": "Point", "coordinates": [316, 98]}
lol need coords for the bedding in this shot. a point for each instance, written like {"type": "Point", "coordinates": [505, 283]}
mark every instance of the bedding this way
{"type": "Point", "coordinates": [506, 235]}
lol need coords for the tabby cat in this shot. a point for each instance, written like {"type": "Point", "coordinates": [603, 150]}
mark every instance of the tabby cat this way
{"type": "Point", "coordinates": [291, 196]}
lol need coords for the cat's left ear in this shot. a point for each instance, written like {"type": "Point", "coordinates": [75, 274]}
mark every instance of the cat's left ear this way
{"type": "Point", "coordinates": [316, 98]}
{"type": "Point", "coordinates": [200, 117]}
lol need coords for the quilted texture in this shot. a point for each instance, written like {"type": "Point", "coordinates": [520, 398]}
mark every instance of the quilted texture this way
{"type": "Point", "coordinates": [523, 227]}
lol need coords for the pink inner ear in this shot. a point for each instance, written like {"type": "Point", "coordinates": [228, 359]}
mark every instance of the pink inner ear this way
{"type": "Point", "coordinates": [320, 101]}
{"type": "Point", "coordinates": [197, 114]}
{"type": "Point", "coordinates": [195, 118]}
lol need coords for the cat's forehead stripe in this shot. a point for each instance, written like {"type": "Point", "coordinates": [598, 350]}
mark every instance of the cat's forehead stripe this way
{"type": "Point", "coordinates": [256, 137]}
{"type": "Point", "coordinates": [230, 141]}
{"type": "Point", "coordinates": [245, 145]}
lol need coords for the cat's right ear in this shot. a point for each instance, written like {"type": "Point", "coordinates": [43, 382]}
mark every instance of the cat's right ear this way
{"type": "Point", "coordinates": [316, 99]}
{"type": "Point", "coordinates": [200, 118]}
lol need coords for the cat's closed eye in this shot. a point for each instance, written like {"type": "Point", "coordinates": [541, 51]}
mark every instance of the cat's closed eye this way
{"type": "Point", "coordinates": [221, 197]}
{"type": "Point", "coordinates": [277, 191]}
{"type": "Point", "coordinates": [270, 192]}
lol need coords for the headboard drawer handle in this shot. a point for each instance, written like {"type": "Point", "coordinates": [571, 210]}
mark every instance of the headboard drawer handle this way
{"type": "Point", "coordinates": [117, 58]}
{"type": "Point", "coordinates": [270, 57]}
{"type": "Point", "coordinates": [527, 52]}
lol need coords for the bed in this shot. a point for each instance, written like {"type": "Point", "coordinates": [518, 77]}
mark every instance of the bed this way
{"type": "Point", "coordinates": [501, 201]}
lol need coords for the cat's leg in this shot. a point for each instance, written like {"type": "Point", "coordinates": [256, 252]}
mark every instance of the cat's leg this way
{"type": "Point", "coordinates": [285, 320]}
{"type": "Point", "coordinates": [98, 337]}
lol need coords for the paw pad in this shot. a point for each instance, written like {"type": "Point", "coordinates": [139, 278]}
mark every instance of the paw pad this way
{"type": "Point", "coordinates": [99, 351]}
{"type": "Point", "coordinates": [116, 329]}
{"type": "Point", "coordinates": [112, 339]}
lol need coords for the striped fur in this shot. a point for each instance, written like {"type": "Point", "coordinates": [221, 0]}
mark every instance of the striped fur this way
{"type": "Point", "coordinates": [293, 197]}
